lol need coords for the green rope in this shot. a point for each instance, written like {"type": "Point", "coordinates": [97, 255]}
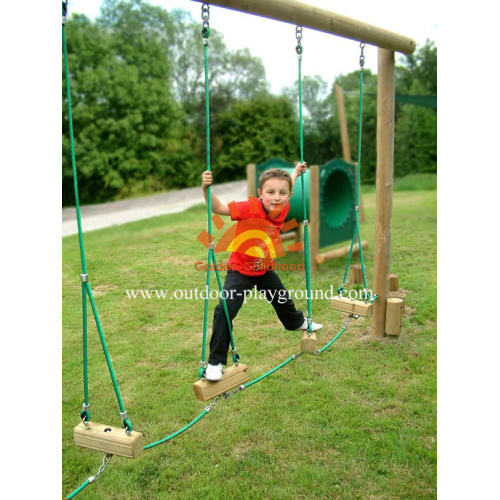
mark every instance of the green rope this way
{"type": "Point", "coordinates": [299, 51]}
{"type": "Point", "coordinates": [78, 490]}
{"type": "Point", "coordinates": [86, 290]}
{"type": "Point", "coordinates": [175, 434]}
{"type": "Point", "coordinates": [236, 356]}
{"type": "Point", "coordinates": [206, 34]}
{"type": "Point", "coordinates": [211, 256]}
{"type": "Point", "coordinates": [85, 414]}
{"type": "Point", "coordinates": [358, 181]}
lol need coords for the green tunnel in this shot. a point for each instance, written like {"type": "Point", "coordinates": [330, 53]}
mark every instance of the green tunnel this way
{"type": "Point", "coordinates": [337, 197]}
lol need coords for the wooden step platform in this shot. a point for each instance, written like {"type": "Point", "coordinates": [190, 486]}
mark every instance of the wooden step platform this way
{"type": "Point", "coordinates": [345, 304]}
{"type": "Point", "coordinates": [309, 343]}
{"type": "Point", "coordinates": [112, 440]}
{"type": "Point", "coordinates": [231, 377]}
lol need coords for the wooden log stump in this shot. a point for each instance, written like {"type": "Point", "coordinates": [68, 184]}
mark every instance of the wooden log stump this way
{"type": "Point", "coordinates": [394, 316]}
{"type": "Point", "coordinates": [393, 282]}
{"type": "Point", "coordinates": [399, 295]}
{"type": "Point", "coordinates": [356, 274]}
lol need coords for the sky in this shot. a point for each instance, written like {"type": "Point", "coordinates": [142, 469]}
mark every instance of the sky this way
{"type": "Point", "coordinates": [325, 55]}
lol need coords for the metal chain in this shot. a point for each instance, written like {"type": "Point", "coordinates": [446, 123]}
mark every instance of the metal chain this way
{"type": "Point", "coordinates": [298, 35]}
{"type": "Point", "coordinates": [205, 14]}
{"type": "Point", "coordinates": [214, 402]}
{"type": "Point", "coordinates": [362, 56]}
{"type": "Point", "coordinates": [346, 324]}
{"type": "Point", "coordinates": [105, 462]}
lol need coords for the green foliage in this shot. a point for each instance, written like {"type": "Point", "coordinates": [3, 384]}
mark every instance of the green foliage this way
{"type": "Point", "coordinates": [138, 99]}
{"type": "Point", "coordinates": [254, 131]}
{"type": "Point", "coordinates": [128, 128]}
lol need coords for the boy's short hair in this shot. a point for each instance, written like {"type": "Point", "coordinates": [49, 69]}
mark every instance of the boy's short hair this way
{"type": "Point", "coordinates": [275, 173]}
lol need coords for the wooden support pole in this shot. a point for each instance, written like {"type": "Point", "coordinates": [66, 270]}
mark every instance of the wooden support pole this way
{"type": "Point", "coordinates": [383, 191]}
{"type": "Point", "coordinates": [314, 214]}
{"type": "Point", "coordinates": [344, 132]}
{"type": "Point", "coordinates": [316, 18]}
{"type": "Point", "coordinates": [251, 182]}
{"type": "Point", "coordinates": [344, 135]}
{"type": "Point", "coordinates": [299, 233]}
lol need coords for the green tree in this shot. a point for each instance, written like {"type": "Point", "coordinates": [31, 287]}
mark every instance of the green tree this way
{"type": "Point", "coordinates": [130, 134]}
{"type": "Point", "coordinates": [253, 131]}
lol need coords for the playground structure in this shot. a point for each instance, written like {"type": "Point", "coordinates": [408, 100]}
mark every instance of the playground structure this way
{"type": "Point", "coordinates": [388, 43]}
{"type": "Point", "coordinates": [330, 202]}
{"type": "Point", "coordinates": [129, 444]}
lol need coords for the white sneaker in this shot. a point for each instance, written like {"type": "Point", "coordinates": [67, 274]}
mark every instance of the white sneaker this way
{"type": "Point", "coordinates": [314, 326]}
{"type": "Point", "coordinates": [214, 372]}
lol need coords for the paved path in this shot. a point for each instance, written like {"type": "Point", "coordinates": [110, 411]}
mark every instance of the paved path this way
{"type": "Point", "coordinates": [121, 212]}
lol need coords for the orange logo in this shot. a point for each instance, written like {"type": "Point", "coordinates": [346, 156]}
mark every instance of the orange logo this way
{"type": "Point", "coordinates": [255, 237]}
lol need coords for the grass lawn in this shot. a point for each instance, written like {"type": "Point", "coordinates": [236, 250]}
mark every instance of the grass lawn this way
{"type": "Point", "coordinates": [358, 421]}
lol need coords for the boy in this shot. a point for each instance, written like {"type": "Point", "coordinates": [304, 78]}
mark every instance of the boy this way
{"type": "Point", "coordinates": [248, 271]}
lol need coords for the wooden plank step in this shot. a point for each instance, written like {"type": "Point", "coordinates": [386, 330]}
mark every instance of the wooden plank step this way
{"type": "Point", "coordinates": [309, 343]}
{"type": "Point", "coordinates": [231, 378]}
{"type": "Point", "coordinates": [112, 440]}
{"type": "Point", "coordinates": [345, 304]}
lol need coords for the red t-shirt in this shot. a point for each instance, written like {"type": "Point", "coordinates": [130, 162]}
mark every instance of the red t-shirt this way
{"type": "Point", "coordinates": [257, 238]}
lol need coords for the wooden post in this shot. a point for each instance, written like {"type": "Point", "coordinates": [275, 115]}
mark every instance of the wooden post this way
{"type": "Point", "coordinates": [346, 149]}
{"type": "Point", "coordinates": [316, 18]}
{"type": "Point", "coordinates": [344, 133]}
{"type": "Point", "coordinates": [356, 274]}
{"type": "Point", "coordinates": [383, 191]}
{"type": "Point", "coordinates": [251, 186]}
{"type": "Point", "coordinates": [299, 232]}
{"type": "Point", "coordinates": [314, 216]}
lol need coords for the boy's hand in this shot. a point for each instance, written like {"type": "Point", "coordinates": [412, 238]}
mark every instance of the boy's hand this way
{"type": "Point", "coordinates": [206, 179]}
{"type": "Point", "coordinates": [301, 167]}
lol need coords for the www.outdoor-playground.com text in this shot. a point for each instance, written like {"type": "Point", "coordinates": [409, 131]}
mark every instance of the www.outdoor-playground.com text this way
{"type": "Point", "coordinates": [253, 293]}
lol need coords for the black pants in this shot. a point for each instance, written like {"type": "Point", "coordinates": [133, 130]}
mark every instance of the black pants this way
{"type": "Point", "coordinates": [238, 287]}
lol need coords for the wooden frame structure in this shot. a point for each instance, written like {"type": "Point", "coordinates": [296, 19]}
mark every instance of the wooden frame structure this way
{"type": "Point", "coordinates": [316, 18]}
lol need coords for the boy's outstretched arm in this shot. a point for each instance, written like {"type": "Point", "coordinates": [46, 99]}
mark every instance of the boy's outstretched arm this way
{"type": "Point", "coordinates": [300, 167]}
{"type": "Point", "coordinates": [217, 206]}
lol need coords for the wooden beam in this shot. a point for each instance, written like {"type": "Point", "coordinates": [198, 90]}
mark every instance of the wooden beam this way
{"type": "Point", "coordinates": [340, 252]}
{"type": "Point", "coordinates": [316, 18]}
{"type": "Point", "coordinates": [383, 190]}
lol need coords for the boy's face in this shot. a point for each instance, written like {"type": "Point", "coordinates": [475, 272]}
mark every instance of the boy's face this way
{"type": "Point", "coordinates": [274, 192]}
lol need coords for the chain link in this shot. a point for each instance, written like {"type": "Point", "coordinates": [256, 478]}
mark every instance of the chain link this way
{"type": "Point", "coordinates": [298, 35]}
{"type": "Point", "coordinates": [105, 462]}
{"type": "Point", "coordinates": [205, 14]}
{"type": "Point", "coordinates": [362, 56]}
{"type": "Point", "coordinates": [214, 402]}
